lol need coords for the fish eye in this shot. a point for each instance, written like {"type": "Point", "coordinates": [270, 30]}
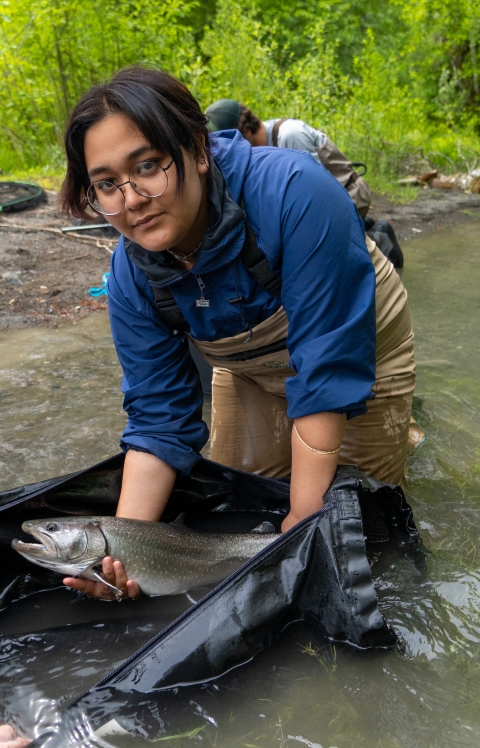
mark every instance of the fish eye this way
{"type": "Point", "coordinates": [52, 526]}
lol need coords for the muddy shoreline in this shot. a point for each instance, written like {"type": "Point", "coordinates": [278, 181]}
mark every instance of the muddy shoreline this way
{"type": "Point", "coordinates": [45, 275]}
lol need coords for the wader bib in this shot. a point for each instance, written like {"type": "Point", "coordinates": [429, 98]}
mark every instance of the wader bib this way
{"type": "Point", "coordinates": [250, 429]}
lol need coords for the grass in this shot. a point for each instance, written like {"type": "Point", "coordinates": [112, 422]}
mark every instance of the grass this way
{"type": "Point", "coordinates": [190, 734]}
{"type": "Point", "coordinates": [49, 179]}
{"type": "Point", "coordinates": [400, 194]}
{"type": "Point", "coordinates": [329, 664]}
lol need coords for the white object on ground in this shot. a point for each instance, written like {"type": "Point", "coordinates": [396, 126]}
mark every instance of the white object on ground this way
{"type": "Point", "coordinates": [110, 728]}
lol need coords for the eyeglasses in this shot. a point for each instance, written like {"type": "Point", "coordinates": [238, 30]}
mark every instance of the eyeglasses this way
{"type": "Point", "coordinates": [147, 178]}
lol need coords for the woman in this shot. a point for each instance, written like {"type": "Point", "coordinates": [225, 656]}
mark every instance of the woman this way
{"type": "Point", "coordinates": [191, 209]}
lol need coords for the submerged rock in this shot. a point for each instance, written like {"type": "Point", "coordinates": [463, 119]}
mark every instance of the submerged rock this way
{"type": "Point", "coordinates": [13, 278]}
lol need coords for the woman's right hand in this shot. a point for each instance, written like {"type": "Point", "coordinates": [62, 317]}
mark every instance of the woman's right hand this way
{"type": "Point", "coordinates": [9, 738]}
{"type": "Point", "coordinates": [114, 574]}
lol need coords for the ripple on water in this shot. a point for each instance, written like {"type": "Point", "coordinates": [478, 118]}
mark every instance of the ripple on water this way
{"type": "Point", "coordinates": [423, 692]}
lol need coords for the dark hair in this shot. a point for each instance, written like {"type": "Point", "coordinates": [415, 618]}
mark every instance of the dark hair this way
{"type": "Point", "coordinates": [247, 119]}
{"type": "Point", "coordinates": [160, 106]}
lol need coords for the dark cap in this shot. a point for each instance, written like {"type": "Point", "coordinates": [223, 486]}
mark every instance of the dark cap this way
{"type": "Point", "coordinates": [223, 114]}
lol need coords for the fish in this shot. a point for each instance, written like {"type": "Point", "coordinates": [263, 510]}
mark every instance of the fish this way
{"type": "Point", "coordinates": [162, 558]}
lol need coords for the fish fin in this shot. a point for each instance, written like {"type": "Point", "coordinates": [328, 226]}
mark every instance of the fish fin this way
{"type": "Point", "coordinates": [118, 593]}
{"type": "Point", "coordinates": [264, 528]}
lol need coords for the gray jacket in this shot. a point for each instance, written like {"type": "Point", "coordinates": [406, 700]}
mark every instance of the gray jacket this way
{"type": "Point", "coordinates": [297, 135]}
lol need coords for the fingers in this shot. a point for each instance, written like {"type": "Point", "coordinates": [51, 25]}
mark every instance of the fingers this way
{"type": "Point", "coordinates": [133, 589]}
{"type": "Point", "coordinates": [9, 738]}
{"type": "Point", "coordinates": [117, 575]}
{"type": "Point", "coordinates": [114, 574]}
{"type": "Point", "coordinates": [93, 589]}
{"type": "Point", "coordinates": [7, 733]}
{"type": "Point", "coordinates": [289, 522]}
{"type": "Point", "coordinates": [128, 587]}
{"type": "Point", "coordinates": [18, 743]}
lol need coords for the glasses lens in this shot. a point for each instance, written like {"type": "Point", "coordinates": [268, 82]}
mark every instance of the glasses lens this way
{"type": "Point", "coordinates": [105, 197]}
{"type": "Point", "coordinates": [148, 179]}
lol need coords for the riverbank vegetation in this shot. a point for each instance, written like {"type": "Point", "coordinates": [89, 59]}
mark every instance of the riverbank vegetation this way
{"type": "Point", "coordinates": [395, 83]}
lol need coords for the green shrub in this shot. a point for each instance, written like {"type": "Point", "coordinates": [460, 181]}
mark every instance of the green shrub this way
{"type": "Point", "coordinates": [394, 83]}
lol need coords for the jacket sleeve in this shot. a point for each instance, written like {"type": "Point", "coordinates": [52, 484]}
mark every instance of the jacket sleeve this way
{"type": "Point", "coordinates": [162, 393]}
{"type": "Point", "coordinates": [328, 284]}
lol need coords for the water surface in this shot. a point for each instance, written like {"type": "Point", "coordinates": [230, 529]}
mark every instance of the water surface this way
{"type": "Point", "coordinates": [304, 691]}
{"type": "Point", "coordinates": [60, 400]}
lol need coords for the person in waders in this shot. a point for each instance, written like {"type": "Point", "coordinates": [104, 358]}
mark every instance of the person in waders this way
{"type": "Point", "coordinates": [258, 257]}
{"type": "Point", "coordinates": [227, 114]}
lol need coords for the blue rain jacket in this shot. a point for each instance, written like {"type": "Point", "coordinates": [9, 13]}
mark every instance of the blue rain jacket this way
{"type": "Point", "coordinates": [309, 229]}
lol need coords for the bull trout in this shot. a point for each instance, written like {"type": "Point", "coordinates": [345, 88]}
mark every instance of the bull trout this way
{"type": "Point", "coordinates": [163, 559]}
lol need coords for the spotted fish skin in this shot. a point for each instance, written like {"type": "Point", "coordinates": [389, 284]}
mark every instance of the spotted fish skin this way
{"type": "Point", "coordinates": [163, 559]}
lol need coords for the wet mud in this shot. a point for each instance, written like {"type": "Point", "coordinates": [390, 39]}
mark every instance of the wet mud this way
{"type": "Point", "coordinates": [433, 209]}
{"type": "Point", "coordinates": [45, 276]}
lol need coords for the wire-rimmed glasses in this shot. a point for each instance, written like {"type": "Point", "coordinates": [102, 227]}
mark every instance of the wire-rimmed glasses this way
{"type": "Point", "coordinates": [147, 178]}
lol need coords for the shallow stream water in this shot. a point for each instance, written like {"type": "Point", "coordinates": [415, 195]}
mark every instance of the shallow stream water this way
{"type": "Point", "coordinates": [302, 691]}
{"type": "Point", "coordinates": [60, 400]}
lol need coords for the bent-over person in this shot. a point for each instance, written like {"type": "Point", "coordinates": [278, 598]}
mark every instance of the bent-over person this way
{"type": "Point", "coordinates": [258, 258]}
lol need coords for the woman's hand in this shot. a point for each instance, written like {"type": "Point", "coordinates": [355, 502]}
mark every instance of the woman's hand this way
{"type": "Point", "coordinates": [9, 738]}
{"type": "Point", "coordinates": [290, 521]}
{"type": "Point", "coordinates": [114, 574]}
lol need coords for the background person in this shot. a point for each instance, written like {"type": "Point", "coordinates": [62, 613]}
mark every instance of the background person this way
{"type": "Point", "coordinates": [295, 372]}
{"type": "Point", "coordinates": [227, 114]}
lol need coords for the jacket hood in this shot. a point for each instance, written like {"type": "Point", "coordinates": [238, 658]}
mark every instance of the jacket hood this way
{"type": "Point", "coordinates": [232, 154]}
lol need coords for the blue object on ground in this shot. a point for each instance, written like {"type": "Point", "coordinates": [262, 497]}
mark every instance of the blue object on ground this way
{"type": "Point", "coordinates": [102, 289]}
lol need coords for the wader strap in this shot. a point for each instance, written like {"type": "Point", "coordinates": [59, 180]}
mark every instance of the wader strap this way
{"type": "Point", "coordinates": [256, 262]}
{"type": "Point", "coordinates": [168, 310]}
{"type": "Point", "coordinates": [264, 350]}
{"type": "Point", "coordinates": [253, 259]}
{"type": "Point", "coordinates": [275, 130]}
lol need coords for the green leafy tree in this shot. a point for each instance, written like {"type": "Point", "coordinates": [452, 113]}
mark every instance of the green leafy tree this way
{"type": "Point", "coordinates": [394, 82]}
{"type": "Point", "coordinates": [52, 51]}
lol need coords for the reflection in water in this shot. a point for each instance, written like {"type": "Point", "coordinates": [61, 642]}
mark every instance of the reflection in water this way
{"type": "Point", "coordinates": [77, 641]}
{"type": "Point", "coordinates": [302, 691]}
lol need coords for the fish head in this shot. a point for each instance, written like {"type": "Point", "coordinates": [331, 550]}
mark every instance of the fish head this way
{"type": "Point", "coordinates": [68, 545]}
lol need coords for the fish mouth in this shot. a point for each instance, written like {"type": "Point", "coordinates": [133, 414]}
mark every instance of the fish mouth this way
{"type": "Point", "coordinates": [44, 546]}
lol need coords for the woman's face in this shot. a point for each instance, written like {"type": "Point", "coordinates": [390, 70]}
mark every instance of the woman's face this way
{"type": "Point", "coordinates": [174, 219]}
